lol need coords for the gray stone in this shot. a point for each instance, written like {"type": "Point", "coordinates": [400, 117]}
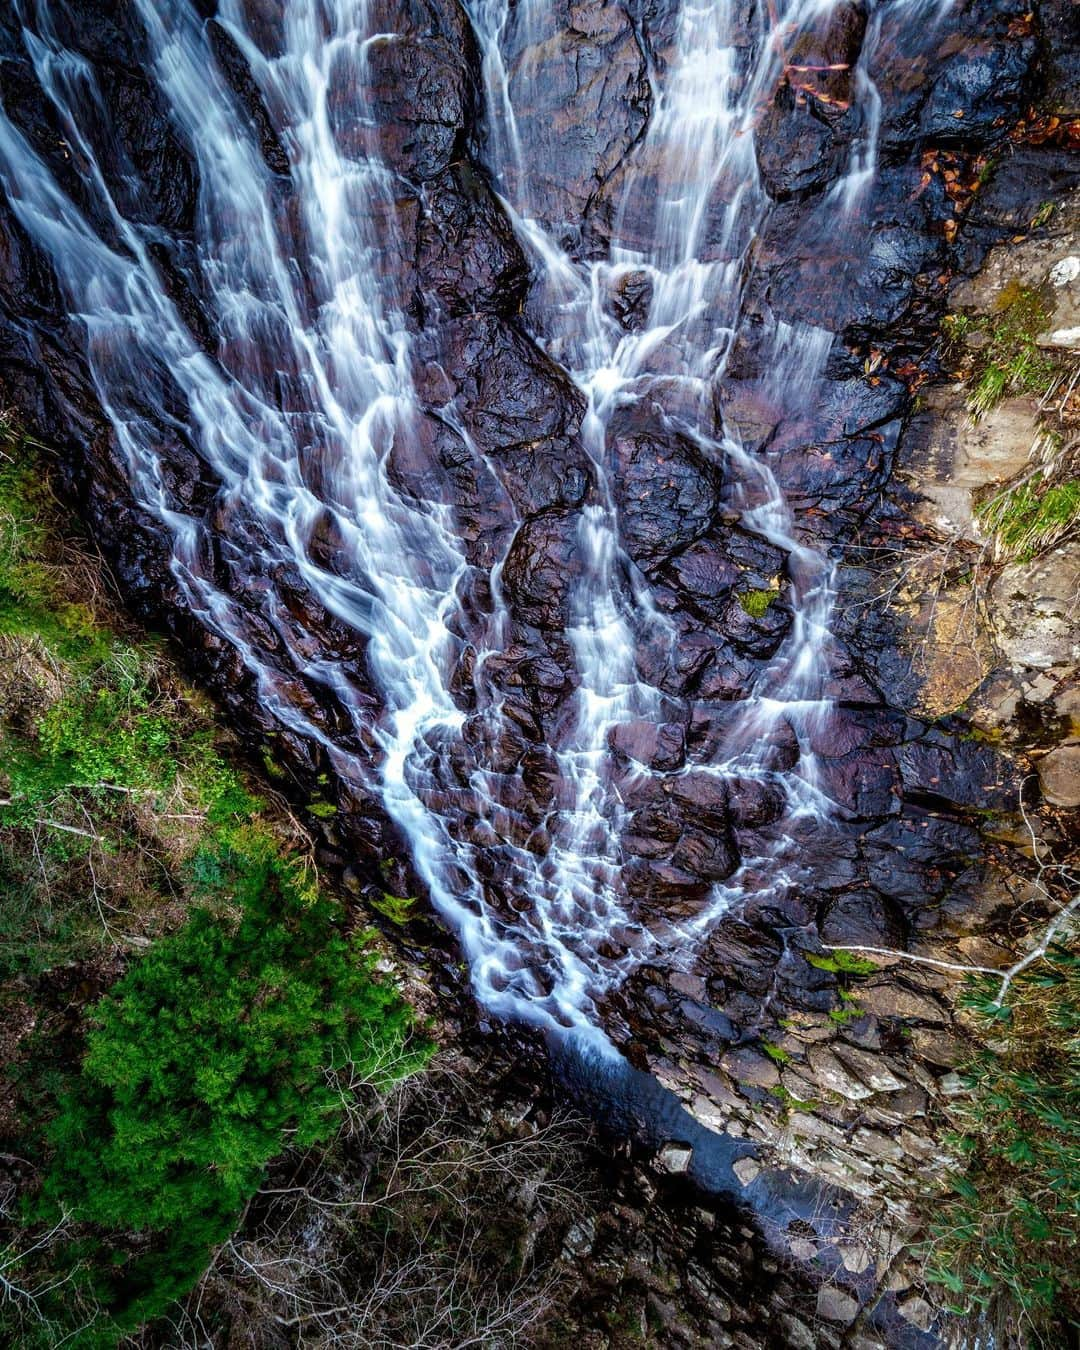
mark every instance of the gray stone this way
{"type": "Point", "coordinates": [1033, 607]}
{"type": "Point", "coordinates": [579, 1240]}
{"type": "Point", "coordinates": [675, 1158]}
{"type": "Point", "coordinates": [833, 1076]}
{"type": "Point", "coordinates": [797, 1334]}
{"type": "Point", "coordinates": [747, 1170]}
{"type": "Point", "coordinates": [1059, 776]}
{"type": "Point", "coordinates": [917, 1311]}
{"type": "Point", "coordinates": [873, 1069]}
{"type": "Point", "coordinates": [835, 1305]}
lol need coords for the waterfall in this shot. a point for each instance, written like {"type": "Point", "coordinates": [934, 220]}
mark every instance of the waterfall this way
{"type": "Point", "coordinates": [312, 383]}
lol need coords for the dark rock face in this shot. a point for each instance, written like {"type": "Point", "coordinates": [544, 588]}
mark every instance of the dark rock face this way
{"type": "Point", "coordinates": [500, 438]}
{"type": "Point", "coordinates": [805, 135]}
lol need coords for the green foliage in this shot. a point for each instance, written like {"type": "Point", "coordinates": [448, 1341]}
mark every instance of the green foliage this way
{"type": "Point", "coordinates": [33, 602]}
{"type": "Point", "coordinates": [756, 603]}
{"type": "Point", "coordinates": [205, 1059]}
{"type": "Point", "coordinates": [399, 909]}
{"type": "Point", "coordinates": [1009, 1230]}
{"type": "Point", "coordinates": [776, 1053]}
{"type": "Point", "coordinates": [1030, 517]}
{"type": "Point", "coordinates": [219, 1045]}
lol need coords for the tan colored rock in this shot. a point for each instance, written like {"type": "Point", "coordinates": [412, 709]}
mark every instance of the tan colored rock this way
{"type": "Point", "coordinates": [1033, 608]}
{"type": "Point", "coordinates": [952, 651]}
{"type": "Point", "coordinates": [747, 1171]}
{"type": "Point", "coordinates": [855, 1257]}
{"type": "Point", "coordinates": [1059, 776]}
{"type": "Point", "coordinates": [748, 1066]}
{"type": "Point", "coordinates": [872, 1069]}
{"type": "Point", "coordinates": [951, 456]}
{"type": "Point", "coordinates": [939, 1047]}
{"type": "Point", "coordinates": [835, 1305]}
{"type": "Point", "coordinates": [892, 999]}
{"type": "Point", "coordinates": [917, 1311]}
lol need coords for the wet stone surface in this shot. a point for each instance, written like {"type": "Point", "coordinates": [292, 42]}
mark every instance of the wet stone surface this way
{"type": "Point", "coordinates": [511, 480]}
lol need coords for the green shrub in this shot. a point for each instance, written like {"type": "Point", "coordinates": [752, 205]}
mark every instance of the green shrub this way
{"type": "Point", "coordinates": [1008, 1233]}
{"type": "Point", "coordinates": [204, 1061]}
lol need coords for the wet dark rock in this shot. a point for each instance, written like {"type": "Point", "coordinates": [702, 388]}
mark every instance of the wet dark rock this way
{"type": "Point", "coordinates": [803, 140]}
{"type": "Point", "coordinates": [959, 773]}
{"type": "Point", "coordinates": [585, 114]}
{"type": "Point", "coordinates": [864, 784]}
{"type": "Point", "coordinates": [420, 90]}
{"type": "Point", "coordinates": [540, 568]}
{"type": "Point", "coordinates": [746, 953]}
{"type": "Point", "coordinates": [631, 296]}
{"type": "Point", "coordinates": [980, 87]}
{"type": "Point", "coordinates": [659, 745]}
{"type": "Point", "coordinates": [707, 855]}
{"type": "Point", "coordinates": [667, 494]}
{"type": "Point", "coordinates": [663, 889]}
{"type": "Point", "coordinates": [237, 72]}
{"type": "Point", "coordinates": [467, 254]}
{"type": "Point", "coordinates": [861, 918]}
{"type": "Point", "coordinates": [754, 801]}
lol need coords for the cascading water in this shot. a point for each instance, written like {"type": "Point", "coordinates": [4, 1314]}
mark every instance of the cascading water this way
{"type": "Point", "coordinates": [312, 384]}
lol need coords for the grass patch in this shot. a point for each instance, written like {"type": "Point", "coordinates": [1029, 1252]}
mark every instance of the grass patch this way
{"type": "Point", "coordinates": [1006, 1237]}
{"type": "Point", "coordinates": [1001, 348]}
{"type": "Point", "coordinates": [789, 1101]}
{"type": "Point", "coordinates": [1030, 517]}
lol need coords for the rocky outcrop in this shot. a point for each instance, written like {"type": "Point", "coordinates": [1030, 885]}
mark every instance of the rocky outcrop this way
{"type": "Point", "coordinates": [831, 1068]}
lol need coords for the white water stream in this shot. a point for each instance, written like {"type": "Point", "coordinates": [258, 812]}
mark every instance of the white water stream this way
{"type": "Point", "coordinates": [312, 383]}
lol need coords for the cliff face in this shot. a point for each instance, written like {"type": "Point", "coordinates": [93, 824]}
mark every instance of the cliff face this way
{"type": "Point", "coordinates": [834, 1065]}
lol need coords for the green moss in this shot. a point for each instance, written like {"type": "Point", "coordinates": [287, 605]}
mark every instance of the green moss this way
{"type": "Point", "coordinates": [756, 603]}
{"type": "Point", "coordinates": [323, 810]}
{"type": "Point", "coordinates": [789, 1101]}
{"type": "Point", "coordinates": [846, 963]}
{"type": "Point", "coordinates": [776, 1052]}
